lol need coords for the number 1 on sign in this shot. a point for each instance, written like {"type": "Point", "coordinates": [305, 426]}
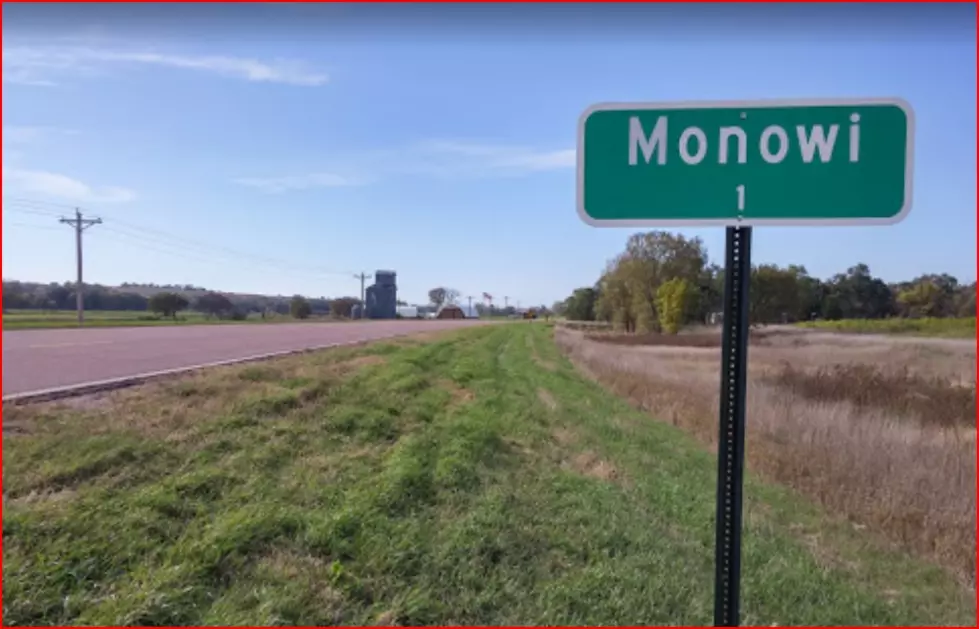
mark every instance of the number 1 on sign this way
{"type": "Point", "coordinates": [740, 190]}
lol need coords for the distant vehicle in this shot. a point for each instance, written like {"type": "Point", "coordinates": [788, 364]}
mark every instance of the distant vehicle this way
{"type": "Point", "coordinates": [530, 314]}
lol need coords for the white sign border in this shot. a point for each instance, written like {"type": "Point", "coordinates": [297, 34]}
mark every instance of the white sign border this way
{"type": "Point", "coordinates": [748, 222]}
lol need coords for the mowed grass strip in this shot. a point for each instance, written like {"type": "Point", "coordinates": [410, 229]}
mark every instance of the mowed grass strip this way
{"type": "Point", "coordinates": [949, 327]}
{"type": "Point", "coordinates": [52, 319]}
{"type": "Point", "coordinates": [467, 478]}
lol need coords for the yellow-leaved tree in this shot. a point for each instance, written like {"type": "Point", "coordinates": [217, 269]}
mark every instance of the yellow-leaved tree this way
{"type": "Point", "coordinates": [672, 301]}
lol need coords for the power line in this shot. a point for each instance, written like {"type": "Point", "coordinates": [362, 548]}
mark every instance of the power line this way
{"type": "Point", "coordinates": [187, 243]}
{"type": "Point", "coordinates": [199, 251]}
{"type": "Point", "coordinates": [28, 225]}
{"type": "Point", "coordinates": [38, 202]}
{"type": "Point", "coordinates": [175, 245]}
{"type": "Point", "coordinates": [157, 236]}
{"type": "Point", "coordinates": [169, 247]}
{"type": "Point", "coordinates": [31, 212]}
{"type": "Point", "coordinates": [150, 246]}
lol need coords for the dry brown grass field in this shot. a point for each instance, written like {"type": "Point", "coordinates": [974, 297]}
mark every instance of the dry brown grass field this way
{"type": "Point", "coordinates": [879, 430]}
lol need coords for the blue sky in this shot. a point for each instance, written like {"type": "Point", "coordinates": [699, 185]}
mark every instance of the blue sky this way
{"type": "Point", "coordinates": [279, 149]}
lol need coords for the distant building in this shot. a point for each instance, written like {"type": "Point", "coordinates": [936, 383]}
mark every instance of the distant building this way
{"type": "Point", "coordinates": [382, 296]}
{"type": "Point", "coordinates": [456, 311]}
{"type": "Point", "coordinates": [450, 311]}
{"type": "Point", "coordinates": [409, 312]}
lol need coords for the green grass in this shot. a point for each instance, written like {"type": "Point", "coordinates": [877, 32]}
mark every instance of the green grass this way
{"type": "Point", "coordinates": [940, 327]}
{"type": "Point", "coordinates": [46, 319]}
{"type": "Point", "coordinates": [471, 479]}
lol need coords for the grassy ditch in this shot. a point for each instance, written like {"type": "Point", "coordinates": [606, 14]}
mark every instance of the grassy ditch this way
{"type": "Point", "coordinates": [467, 478]}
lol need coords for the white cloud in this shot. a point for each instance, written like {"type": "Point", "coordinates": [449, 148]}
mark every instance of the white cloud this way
{"type": "Point", "coordinates": [456, 158]}
{"type": "Point", "coordinates": [276, 185]}
{"type": "Point", "coordinates": [446, 159]}
{"type": "Point", "coordinates": [551, 160]}
{"type": "Point", "coordinates": [55, 185]}
{"type": "Point", "coordinates": [43, 65]}
{"type": "Point", "coordinates": [26, 135]}
{"type": "Point", "coordinates": [532, 161]}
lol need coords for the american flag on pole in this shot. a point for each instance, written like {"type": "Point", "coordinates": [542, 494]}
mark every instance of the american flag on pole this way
{"type": "Point", "coordinates": [487, 297]}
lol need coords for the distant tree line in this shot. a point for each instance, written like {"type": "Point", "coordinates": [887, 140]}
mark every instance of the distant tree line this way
{"type": "Point", "coordinates": [166, 300]}
{"type": "Point", "coordinates": [662, 281]}
{"type": "Point", "coordinates": [170, 287]}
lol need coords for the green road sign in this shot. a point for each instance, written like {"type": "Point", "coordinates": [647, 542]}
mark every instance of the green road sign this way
{"type": "Point", "coordinates": [800, 162]}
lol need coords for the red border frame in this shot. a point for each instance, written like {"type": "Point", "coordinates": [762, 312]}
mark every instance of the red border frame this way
{"type": "Point", "coordinates": [498, 2]}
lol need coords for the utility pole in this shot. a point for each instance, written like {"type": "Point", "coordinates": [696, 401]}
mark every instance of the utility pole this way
{"type": "Point", "coordinates": [363, 277]}
{"type": "Point", "coordinates": [80, 224]}
{"type": "Point", "coordinates": [506, 302]}
{"type": "Point", "coordinates": [470, 305]}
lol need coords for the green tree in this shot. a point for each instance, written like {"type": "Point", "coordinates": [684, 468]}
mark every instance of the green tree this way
{"type": "Point", "coordinates": [15, 296]}
{"type": "Point", "coordinates": [857, 294]}
{"type": "Point", "coordinates": [673, 298]}
{"type": "Point", "coordinates": [709, 293]}
{"type": "Point", "coordinates": [580, 306]}
{"type": "Point", "coordinates": [965, 301]}
{"type": "Point", "coordinates": [777, 295]}
{"type": "Point", "coordinates": [343, 306]}
{"type": "Point", "coordinates": [944, 297]}
{"type": "Point", "coordinates": [615, 304]}
{"type": "Point", "coordinates": [652, 258]}
{"type": "Point", "coordinates": [436, 296]}
{"type": "Point", "coordinates": [299, 307]}
{"type": "Point", "coordinates": [921, 299]}
{"type": "Point", "coordinates": [812, 291]}
{"type": "Point", "coordinates": [214, 305]}
{"type": "Point", "coordinates": [442, 295]}
{"type": "Point", "coordinates": [167, 304]}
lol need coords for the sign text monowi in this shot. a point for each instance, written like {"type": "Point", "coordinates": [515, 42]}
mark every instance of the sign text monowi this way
{"type": "Point", "coordinates": [802, 162]}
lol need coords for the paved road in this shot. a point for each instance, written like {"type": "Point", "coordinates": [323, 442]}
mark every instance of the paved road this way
{"type": "Point", "coordinates": [34, 360]}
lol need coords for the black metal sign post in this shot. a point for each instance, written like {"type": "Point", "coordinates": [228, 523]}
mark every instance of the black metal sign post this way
{"type": "Point", "coordinates": [730, 446]}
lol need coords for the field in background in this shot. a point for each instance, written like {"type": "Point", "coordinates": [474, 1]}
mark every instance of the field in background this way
{"type": "Point", "coordinates": [930, 327]}
{"type": "Point", "coordinates": [941, 327]}
{"type": "Point", "coordinates": [879, 430]}
{"type": "Point", "coordinates": [31, 319]}
{"type": "Point", "coordinates": [473, 478]}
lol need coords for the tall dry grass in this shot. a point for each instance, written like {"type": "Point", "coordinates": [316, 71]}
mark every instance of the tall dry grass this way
{"type": "Point", "coordinates": [880, 431]}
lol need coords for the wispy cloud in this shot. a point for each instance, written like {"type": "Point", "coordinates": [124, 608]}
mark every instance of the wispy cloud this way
{"type": "Point", "coordinates": [277, 185]}
{"type": "Point", "coordinates": [460, 159]}
{"type": "Point", "coordinates": [442, 159]}
{"type": "Point", "coordinates": [46, 65]}
{"type": "Point", "coordinates": [27, 135]}
{"type": "Point", "coordinates": [515, 159]}
{"type": "Point", "coordinates": [54, 185]}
